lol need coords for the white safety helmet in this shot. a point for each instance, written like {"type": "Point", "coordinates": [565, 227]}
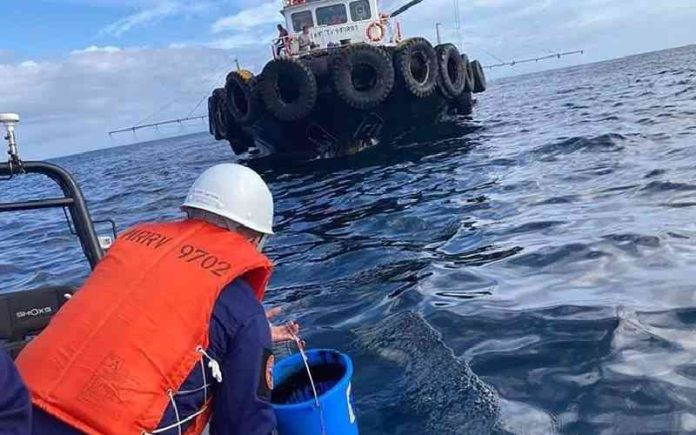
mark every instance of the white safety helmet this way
{"type": "Point", "coordinates": [234, 192]}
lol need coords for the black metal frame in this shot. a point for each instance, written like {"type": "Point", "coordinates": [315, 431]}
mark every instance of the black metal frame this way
{"type": "Point", "coordinates": [73, 200]}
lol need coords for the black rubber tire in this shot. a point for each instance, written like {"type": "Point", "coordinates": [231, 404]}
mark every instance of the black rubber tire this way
{"type": "Point", "coordinates": [375, 76]}
{"type": "Point", "coordinates": [411, 54]}
{"type": "Point", "coordinates": [240, 140]}
{"type": "Point", "coordinates": [212, 127]}
{"type": "Point", "coordinates": [452, 71]}
{"type": "Point", "coordinates": [464, 104]}
{"type": "Point", "coordinates": [225, 126]}
{"type": "Point", "coordinates": [469, 86]}
{"type": "Point", "coordinates": [288, 89]}
{"type": "Point", "coordinates": [319, 64]}
{"type": "Point", "coordinates": [479, 77]}
{"type": "Point", "coordinates": [222, 115]}
{"type": "Point", "coordinates": [243, 98]}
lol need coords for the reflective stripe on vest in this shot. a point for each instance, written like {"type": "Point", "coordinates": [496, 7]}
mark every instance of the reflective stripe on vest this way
{"type": "Point", "coordinates": [109, 357]}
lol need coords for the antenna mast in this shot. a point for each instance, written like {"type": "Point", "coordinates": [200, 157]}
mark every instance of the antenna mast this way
{"type": "Point", "coordinates": [9, 120]}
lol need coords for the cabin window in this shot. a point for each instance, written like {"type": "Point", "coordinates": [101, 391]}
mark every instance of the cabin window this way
{"type": "Point", "coordinates": [360, 10]}
{"type": "Point", "coordinates": [332, 15]}
{"type": "Point", "coordinates": [301, 19]}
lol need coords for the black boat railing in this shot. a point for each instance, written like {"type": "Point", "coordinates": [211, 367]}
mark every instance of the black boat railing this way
{"type": "Point", "coordinates": [73, 201]}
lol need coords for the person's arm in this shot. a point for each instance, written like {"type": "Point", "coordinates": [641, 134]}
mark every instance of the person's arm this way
{"type": "Point", "coordinates": [242, 402]}
{"type": "Point", "coordinates": [15, 405]}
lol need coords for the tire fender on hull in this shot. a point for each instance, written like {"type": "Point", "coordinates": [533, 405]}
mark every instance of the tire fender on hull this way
{"type": "Point", "coordinates": [212, 126]}
{"type": "Point", "coordinates": [453, 71]}
{"type": "Point", "coordinates": [479, 77]}
{"type": "Point", "coordinates": [416, 66]}
{"type": "Point", "coordinates": [469, 74]}
{"type": "Point", "coordinates": [221, 114]}
{"type": "Point", "coordinates": [225, 125]}
{"type": "Point", "coordinates": [243, 97]}
{"type": "Point", "coordinates": [363, 76]}
{"type": "Point", "coordinates": [464, 104]}
{"type": "Point", "coordinates": [288, 89]}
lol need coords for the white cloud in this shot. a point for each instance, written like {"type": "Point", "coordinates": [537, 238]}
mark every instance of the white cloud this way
{"type": "Point", "coordinates": [249, 28]}
{"type": "Point", "coordinates": [251, 18]}
{"type": "Point", "coordinates": [156, 12]}
{"type": "Point", "coordinates": [143, 17]}
{"type": "Point", "coordinates": [6, 56]}
{"type": "Point", "coordinates": [97, 49]}
{"type": "Point", "coordinates": [69, 105]}
{"type": "Point", "coordinates": [243, 40]}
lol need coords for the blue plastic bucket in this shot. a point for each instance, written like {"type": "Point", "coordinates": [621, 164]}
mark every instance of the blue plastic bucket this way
{"type": "Point", "coordinates": [293, 399]}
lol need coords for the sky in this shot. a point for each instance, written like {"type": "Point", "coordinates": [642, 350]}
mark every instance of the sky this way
{"type": "Point", "coordinates": [76, 69]}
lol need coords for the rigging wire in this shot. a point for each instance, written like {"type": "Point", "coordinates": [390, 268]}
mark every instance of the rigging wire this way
{"type": "Point", "coordinates": [152, 115]}
{"type": "Point", "coordinates": [457, 23]}
{"type": "Point", "coordinates": [199, 104]}
{"type": "Point", "coordinates": [215, 78]}
{"type": "Point", "coordinates": [538, 48]}
{"type": "Point", "coordinates": [491, 54]}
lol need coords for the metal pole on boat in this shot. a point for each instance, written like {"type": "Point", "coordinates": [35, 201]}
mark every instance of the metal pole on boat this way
{"type": "Point", "coordinates": [73, 199]}
{"type": "Point", "coordinates": [9, 120]}
{"type": "Point", "coordinates": [437, 30]}
{"type": "Point", "coordinates": [236, 62]}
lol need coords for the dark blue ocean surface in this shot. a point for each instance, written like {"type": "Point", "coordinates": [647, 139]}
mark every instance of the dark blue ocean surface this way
{"type": "Point", "coordinates": [551, 241]}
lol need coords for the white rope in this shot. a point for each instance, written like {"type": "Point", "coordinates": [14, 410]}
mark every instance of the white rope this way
{"type": "Point", "coordinates": [205, 381]}
{"type": "Point", "coordinates": [300, 347]}
{"type": "Point", "coordinates": [176, 410]}
{"type": "Point", "coordinates": [172, 426]}
{"type": "Point", "coordinates": [185, 392]}
{"type": "Point", "coordinates": [217, 374]}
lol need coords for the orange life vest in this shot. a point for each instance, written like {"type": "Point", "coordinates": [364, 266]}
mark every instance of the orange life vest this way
{"type": "Point", "coordinates": [131, 335]}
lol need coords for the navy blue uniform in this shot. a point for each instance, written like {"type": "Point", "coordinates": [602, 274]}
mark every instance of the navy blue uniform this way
{"type": "Point", "coordinates": [15, 406]}
{"type": "Point", "coordinates": [240, 340]}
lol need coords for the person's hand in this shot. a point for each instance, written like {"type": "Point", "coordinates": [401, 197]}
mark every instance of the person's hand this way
{"type": "Point", "coordinates": [286, 332]}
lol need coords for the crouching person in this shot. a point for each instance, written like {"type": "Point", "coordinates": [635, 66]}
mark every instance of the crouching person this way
{"type": "Point", "coordinates": [168, 334]}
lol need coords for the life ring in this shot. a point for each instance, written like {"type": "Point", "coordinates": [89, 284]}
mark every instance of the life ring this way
{"type": "Point", "coordinates": [363, 75]}
{"type": "Point", "coordinates": [288, 89]}
{"type": "Point", "coordinates": [370, 31]}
